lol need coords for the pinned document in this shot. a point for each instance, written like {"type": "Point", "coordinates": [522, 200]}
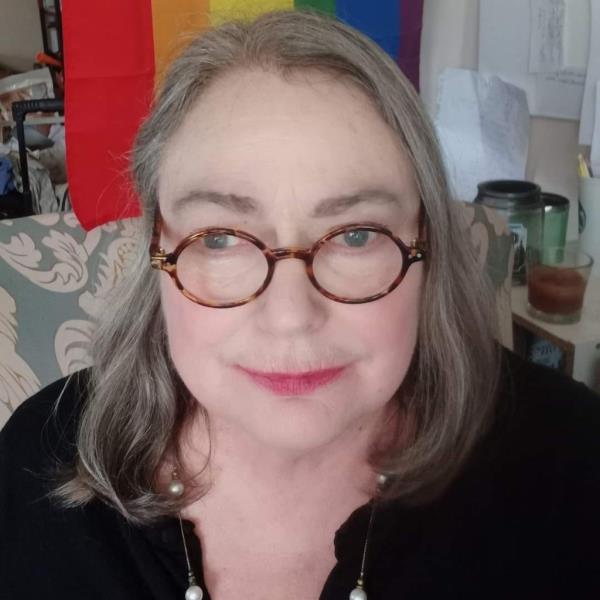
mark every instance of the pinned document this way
{"type": "Point", "coordinates": [483, 127]}
{"type": "Point", "coordinates": [547, 39]}
{"type": "Point", "coordinates": [540, 47]}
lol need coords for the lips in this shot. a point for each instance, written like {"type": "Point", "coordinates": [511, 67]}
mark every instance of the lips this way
{"type": "Point", "coordinates": [293, 384]}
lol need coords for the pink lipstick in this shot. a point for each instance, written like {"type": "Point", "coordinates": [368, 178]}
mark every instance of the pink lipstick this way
{"type": "Point", "coordinates": [293, 384]}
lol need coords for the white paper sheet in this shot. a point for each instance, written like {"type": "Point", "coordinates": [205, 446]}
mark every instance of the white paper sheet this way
{"type": "Point", "coordinates": [595, 155]}
{"type": "Point", "coordinates": [576, 34]}
{"type": "Point", "coordinates": [483, 126]}
{"type": "Point", "coordinates": [546, 42]}
{"type": "Point", "coordinates": [586, 125]}
{"type": "Point", "coordinates": [504, 50]}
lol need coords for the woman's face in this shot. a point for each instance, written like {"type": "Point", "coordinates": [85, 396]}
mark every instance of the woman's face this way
{"type": "Point", "coordinates": [282, 148]}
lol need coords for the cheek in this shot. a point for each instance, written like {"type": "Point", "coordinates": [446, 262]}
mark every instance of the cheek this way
{"type": "Point", "coordinates": [389, 329]}
{"type": "Point", "coordinates": [193, 330]}
{"type": "Point", "coordinates": [197, 337]}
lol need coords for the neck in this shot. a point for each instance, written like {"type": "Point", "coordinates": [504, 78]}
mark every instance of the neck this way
{"type": "Point", "coordinates": [249, 477]}
{"type": "Point", "coordinates": [286, 506]}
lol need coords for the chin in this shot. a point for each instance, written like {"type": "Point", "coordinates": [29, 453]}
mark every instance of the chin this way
{"type": "Point", "coordinates": [297, 432]}
{"type": "Point", "coordinates": [290, 423]}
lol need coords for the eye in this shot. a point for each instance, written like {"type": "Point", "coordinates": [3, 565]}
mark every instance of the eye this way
{"type": "Point", "coordinates": [357, 241]}
{"type": "Point", "coordinates": [218, 241]}
{"type": "Point", "coordinates": [358, 238]}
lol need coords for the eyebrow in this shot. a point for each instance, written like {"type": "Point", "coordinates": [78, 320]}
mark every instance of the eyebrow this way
{"type": "Point", "coordinates": [328, 207]}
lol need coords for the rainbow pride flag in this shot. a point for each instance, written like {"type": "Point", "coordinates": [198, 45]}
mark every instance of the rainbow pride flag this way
{"type": "Point", "coordinates": [115, 50]}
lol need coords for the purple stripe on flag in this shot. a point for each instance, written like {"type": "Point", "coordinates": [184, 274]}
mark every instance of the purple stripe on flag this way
{"type": "Point", "coordinates": [411, 23]}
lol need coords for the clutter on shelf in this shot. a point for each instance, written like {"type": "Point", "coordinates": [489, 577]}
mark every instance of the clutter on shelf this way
{"type": "Point", "coordinates": [45, 188]}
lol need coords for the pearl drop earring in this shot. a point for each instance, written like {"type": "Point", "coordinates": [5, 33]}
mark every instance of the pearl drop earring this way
{"type": "Point", "coordinates": [176, 487]}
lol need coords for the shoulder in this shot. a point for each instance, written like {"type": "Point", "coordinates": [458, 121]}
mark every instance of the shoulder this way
{"type": "Point", "coordinates": [542, 454]}
{"type": "Point", "coordinates": [61, 548]}
{"type": "Point", "coordinates": [543, 409]}
{"type": "Point", "coordinates": [519, 376]}
{"type": "Point", "coordinates": [44, 426]}
{"type": "Point", "coordinates": [525, 508]}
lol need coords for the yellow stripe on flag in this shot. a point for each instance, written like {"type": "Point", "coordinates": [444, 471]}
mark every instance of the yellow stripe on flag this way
{"type": "Point", "coordinates": [174, 22]}
{"type": "Point", "coordinates": [226, 10]}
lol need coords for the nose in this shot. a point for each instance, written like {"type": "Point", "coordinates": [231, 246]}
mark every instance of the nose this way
{"type": "Point", "coordinates": [291, 305]}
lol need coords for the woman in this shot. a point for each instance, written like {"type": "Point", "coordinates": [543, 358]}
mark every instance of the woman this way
{"type": "Point", "coordinates": [308, 401]}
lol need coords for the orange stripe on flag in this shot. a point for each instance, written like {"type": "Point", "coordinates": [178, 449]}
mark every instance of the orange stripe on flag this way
{"type": "Point", "coordinates": [224, 10]}
{"type": "Point", "coordinates": [174, 22]}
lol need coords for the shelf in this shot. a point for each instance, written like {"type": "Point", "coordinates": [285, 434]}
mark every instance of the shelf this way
{"type": "Point", "coordinates": [579, 342]}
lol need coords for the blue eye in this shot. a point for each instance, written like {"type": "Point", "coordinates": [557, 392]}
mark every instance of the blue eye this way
{"type": "Point", "coordinates": [356, 238]}
{"type": "Point", "coordinates": [218, 241]}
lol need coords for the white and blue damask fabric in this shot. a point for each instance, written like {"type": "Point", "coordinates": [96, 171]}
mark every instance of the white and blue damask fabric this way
{"type": "Point", "coordinates": [54, 277]}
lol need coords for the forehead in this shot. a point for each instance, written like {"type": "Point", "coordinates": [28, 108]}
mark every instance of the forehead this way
{"type": "Point", "coordinates": [288, 142]}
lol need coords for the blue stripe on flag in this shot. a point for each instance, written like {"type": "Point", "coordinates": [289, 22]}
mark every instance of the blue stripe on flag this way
{"type": "Point", "coordinates": [379, 20]}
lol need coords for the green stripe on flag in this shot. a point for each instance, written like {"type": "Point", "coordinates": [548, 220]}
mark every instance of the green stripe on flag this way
{"type": "Point", "coordinates": [326, 6]}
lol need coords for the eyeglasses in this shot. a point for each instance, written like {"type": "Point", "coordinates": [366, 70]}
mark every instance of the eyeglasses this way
{"type": "Point", "coordinates": [222, 267]}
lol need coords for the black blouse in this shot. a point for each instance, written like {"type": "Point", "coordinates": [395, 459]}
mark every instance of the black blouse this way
{"type": "Point", "coordinates": [521, 521]}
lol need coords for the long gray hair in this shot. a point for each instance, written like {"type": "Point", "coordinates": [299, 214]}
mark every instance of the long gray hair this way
{"type": "Point", "coordinates": [137, 405]}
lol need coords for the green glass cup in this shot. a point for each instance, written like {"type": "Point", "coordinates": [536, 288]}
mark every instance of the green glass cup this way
{"type": "Point", "coordinates": [556, 217]}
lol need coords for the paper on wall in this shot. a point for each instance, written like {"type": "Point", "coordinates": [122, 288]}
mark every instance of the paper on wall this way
{"type": "Point", "coordinates": [546, 42]}
{"type": "Point", "coordinates": [576, 34]}
{"type": "Point", "coordinates": [586, 125]}
{"type": "Point", "coordinates": [595, 155]}
{"type": "Point", "coordinates": [504, 50]}
{"type": "Point", "coordinates": [483, 127]}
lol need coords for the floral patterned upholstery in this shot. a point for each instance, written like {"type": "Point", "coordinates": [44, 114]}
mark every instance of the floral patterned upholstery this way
{"type": "Point", "coordinates": [54, 276]}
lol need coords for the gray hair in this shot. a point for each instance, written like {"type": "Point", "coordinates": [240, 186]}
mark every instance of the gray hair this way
{"type": "Point", "coordinates": [138, 406]}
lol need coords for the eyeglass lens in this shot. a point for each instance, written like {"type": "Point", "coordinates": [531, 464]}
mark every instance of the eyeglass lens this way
{"type": "Point", "coordinates": [222, 268]}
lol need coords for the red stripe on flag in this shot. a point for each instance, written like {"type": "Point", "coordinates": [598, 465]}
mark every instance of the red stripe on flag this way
{"type": "Point", "coordinates": [109, 78]}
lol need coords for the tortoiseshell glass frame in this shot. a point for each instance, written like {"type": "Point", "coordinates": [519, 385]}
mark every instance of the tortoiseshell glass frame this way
{"type": "Point", "coordinates": [167, 261]}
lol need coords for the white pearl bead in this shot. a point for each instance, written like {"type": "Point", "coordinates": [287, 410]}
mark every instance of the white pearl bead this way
{"type": "Point", "coordinates": [381, 479]}
{"type": "Point", "coordinates": [358, 594]}
{"type": "Point", "coordinates": [194, 593]}
{"type": "Point", "coordinates": [176, 488]}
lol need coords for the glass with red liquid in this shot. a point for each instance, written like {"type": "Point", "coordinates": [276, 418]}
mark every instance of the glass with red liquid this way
{"type": "Point", "coordinates": [556, 282]}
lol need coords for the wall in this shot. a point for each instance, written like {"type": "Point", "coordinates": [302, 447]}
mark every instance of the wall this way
{"type": "Point", "coordinates": [450, 39]}
{"type": "Point", "coordinates": [20, 33]}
